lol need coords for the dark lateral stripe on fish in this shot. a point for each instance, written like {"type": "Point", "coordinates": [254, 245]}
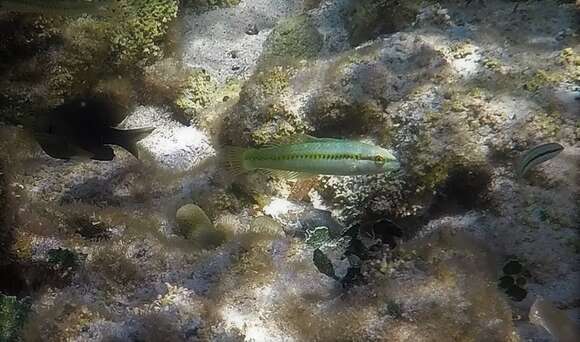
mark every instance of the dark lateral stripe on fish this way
{"type": "Point", "coordinates": [537, 155]}
{"type": "Point", "coordinates": [311, 157]}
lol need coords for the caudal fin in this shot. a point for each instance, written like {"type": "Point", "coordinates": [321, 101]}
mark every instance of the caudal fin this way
{"type": "Point", "coordinates": [128, 138]}
{"type": "Point", "coordinates": [233, 160]}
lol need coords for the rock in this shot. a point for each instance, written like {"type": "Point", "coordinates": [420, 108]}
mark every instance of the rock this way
{"type": "Point", "coordinates": [298, 220]}
{"type": "Point", "coordinates": [194, 225]}
{"type": "Point", "coordinates": [293, 39]}
{"type": "Point", "coordinates": [172, 147]}
{"type": "Point", "coordinates": [210, 33]}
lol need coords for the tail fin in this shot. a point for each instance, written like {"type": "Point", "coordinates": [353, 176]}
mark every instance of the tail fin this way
{"type": "Point", "coordinates": [128, 138]}
{"type": "Point", "coordinates": [233, 160]}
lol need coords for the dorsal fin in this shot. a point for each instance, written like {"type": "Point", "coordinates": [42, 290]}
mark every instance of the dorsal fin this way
{"type": "Point", "coordinates": [299, 139]}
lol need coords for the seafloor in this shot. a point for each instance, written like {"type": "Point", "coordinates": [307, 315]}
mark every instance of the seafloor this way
{"type": "Point", "coordinates": [452, 248]}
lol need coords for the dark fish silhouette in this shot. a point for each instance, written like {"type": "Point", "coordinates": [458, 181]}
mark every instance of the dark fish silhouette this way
{"type": "Point", "coordinates": [84, 128]}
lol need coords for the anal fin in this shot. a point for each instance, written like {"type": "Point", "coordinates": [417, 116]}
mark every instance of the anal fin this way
{"type": "Point", "coordinates": [289, 175]}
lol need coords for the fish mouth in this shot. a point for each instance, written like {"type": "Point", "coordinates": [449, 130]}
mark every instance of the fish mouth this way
{"type": "Point", "coordinates": [392, 166]}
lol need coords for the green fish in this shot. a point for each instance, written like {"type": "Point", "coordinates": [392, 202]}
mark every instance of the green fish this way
{"type": "Point", "coordinates": [307, 155]}
{"type": "Point", "coordinates": [535, 156]}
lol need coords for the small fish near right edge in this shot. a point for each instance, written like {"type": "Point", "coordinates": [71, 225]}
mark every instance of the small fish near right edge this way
{"type": "Point", "coordinates": [535, 156]}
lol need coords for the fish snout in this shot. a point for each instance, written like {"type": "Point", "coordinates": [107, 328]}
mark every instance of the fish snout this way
{"type": "Point", "coordinates": [393, 166]}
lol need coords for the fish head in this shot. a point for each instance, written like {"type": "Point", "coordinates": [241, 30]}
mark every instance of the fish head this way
{"type": "Point", "coordinates": [50, 124]}
{"type": "Point", "coordinates": [385, 161]}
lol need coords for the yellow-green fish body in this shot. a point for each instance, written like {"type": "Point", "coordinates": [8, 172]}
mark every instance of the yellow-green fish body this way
{"type": "Point", "coordinates": [321, 156]}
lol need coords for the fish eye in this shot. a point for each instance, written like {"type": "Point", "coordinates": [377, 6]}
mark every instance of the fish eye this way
{"type": "Point", "coordinates": [379, 159]}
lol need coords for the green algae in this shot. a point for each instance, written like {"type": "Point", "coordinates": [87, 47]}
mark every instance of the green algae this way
{"type": "Point", "coordinates": [323, 263]}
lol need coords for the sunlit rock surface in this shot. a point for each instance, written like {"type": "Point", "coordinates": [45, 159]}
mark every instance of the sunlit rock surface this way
{"type": "Point", "coordinates": [172, 146]}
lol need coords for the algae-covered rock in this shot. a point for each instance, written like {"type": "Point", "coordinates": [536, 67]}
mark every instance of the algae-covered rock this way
{"type": "Point", "coordinates": [195, 226]}
{"type": "Point", "coordinates": [295, 38]}
{"type": "Point", "coordinates": [141, 28]}
{"type": "Point", "coordinates": [190, 217]}
{"type": "Point", "coordinates": [53, 58]}
{"type": "Point", "coordinates": [266, 225]}
{"type": "Point", "coordinates": [198, 93]}
{"type": "Point", "coordinates": [206, 5]}
{"type": "Point", "coordinates": [166, 78]}
{"type": "Point", "coordinates": [369, 18]}
{"type": "Point", "coordinates": [13, 312]}
{"type": "Point", "coordinates": [261, 116]}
